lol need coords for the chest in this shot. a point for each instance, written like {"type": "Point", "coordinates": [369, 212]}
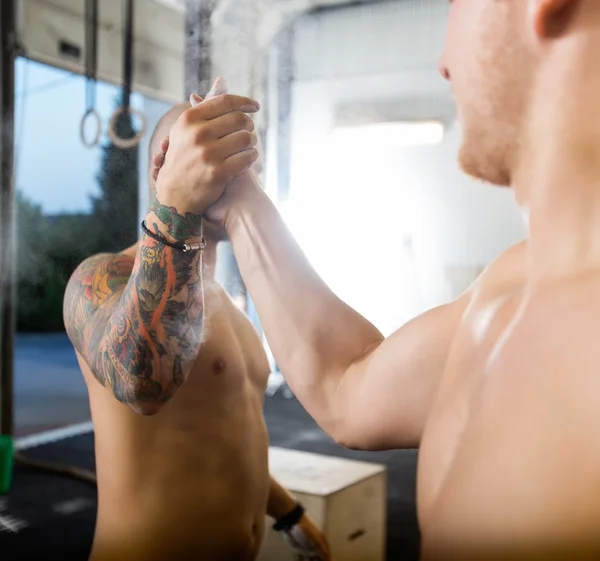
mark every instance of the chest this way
{"type": "Point", "coordinates": [515, 420]}
{"type": "Point", "coordinates": [231, 366]}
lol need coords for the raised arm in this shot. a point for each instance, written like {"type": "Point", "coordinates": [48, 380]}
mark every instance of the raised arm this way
{"type": "Point", "coordinates": [365, 391]}
{"type": "Point", "coordinates": [137, 322]}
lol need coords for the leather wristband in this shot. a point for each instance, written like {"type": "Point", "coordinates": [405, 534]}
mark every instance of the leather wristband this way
{"type": "Point", "coordinates": [185, 247]}
{"type": "Point", "coordinates": [289, 520]}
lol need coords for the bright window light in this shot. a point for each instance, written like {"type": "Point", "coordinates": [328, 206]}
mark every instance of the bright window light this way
{"type": "Point", "coordinates": [353, 203]}
{"type": "Point", "coordinates": [394, 134]}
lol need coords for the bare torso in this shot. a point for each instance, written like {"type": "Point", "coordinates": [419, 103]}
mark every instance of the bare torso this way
{"type": "Point", "coordinates": [510, 458]}
{"type": "Point", "coordinates": [190, 482]}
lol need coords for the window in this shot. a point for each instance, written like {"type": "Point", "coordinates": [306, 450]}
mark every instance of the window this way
{"type": "Point", "coordinates": [72, 202]}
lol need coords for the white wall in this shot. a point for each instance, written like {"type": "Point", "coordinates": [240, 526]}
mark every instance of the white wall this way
{"type": "Point", "coordinates": [456, 224]}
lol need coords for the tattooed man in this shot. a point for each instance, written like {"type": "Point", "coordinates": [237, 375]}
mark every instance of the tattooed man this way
{"type": "Point", "coordinates": [176, 373]}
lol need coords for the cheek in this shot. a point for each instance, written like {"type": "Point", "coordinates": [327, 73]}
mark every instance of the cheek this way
{"type": "Point", "coordinates": [452, 32]}
{"type": "Point", "coordinates": [463, 35]}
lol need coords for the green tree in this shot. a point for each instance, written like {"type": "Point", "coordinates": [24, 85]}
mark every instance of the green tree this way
{"type": "Point", "coordinates": [115, 210]}
{"type": "Point", "coordinates": [49, 248]}
{"type": "Point", "coordinates": [40, 279]}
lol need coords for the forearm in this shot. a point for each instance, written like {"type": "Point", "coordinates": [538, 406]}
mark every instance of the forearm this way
{"type": "Point", "coordinates": [280, 502]}
{"type": "Point", "coordinates": [153, 335]}
{"type": "Point", "coordinates": [314, 336]}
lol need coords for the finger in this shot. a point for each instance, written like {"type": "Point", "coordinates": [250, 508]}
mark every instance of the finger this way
{"type": "Point", "coordinates": [239, 163]}
{"type": "Point", "coordinates": [220, 86]}
{"type": "Point", "coordinates": [217, 106]}
{"type": "Point", "coordinates": [164, 144]}
{"type": "Point", "coordinates": [159, 159]}
{"type": "Point", "coordinates": [230, 145]}
{"type": "Point", "coordinates": [195, 99]}
{"type": "Point", "coordinates": [228, 124]}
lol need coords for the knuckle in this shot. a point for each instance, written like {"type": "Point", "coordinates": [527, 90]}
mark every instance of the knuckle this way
{"type": "Point", "coordinates": [187, 118]}
{"type": "Point", "coordinates": [240, 119]}
{"type": "Point", "coordinates": [228, 101]}
{"type": "Point", "coordinates": [201, 134]}
{"type": "Point", "coordinates": [251, 156]}
{"type": "Point", "coordinates": [245, 138]}
{"type": "Point", "coordinates": [250, 139]}
{"type": "Point", "coordinates": [216, 174]}
{"type": "Point", "coordinates": [204, 153]}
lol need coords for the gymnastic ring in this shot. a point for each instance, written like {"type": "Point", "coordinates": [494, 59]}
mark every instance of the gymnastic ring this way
{"type": "Point", "coordinates": [126, 142]}
{"type": "Point", "coordinates": [96, 137]}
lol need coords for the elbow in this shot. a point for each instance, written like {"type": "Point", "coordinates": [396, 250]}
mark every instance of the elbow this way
{"type": "Point", "coordinates": [357, 441]}
{"type": "Point", "coordinates": [370, 439]}
{"type": "Point", "coordinates": [145, 408]}
{"type": "Point", "coordinates": [353, 435]}
{"type": "Point", "coordinates": [140, 400]}
{"type": "Point", "coordinates": [343, 433]}
{"type": "Point", "coordinates": [348, 440]}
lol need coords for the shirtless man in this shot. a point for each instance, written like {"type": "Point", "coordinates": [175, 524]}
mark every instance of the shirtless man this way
{"type": "Point", "coordinates": [154, 336]}
{"type": "Point", "coordinates": [499, 389]}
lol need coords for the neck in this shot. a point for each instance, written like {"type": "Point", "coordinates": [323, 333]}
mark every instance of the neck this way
{"type": "Point", "coordinates": [558, 179]}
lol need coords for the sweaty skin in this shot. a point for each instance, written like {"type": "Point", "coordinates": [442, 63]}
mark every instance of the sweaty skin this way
{"type": "Point", "coordinates": [188, 478]}
{"type": "Point", "coordinates": [190, 482]}
{"type": "Point", "coordinates": [500, 388]}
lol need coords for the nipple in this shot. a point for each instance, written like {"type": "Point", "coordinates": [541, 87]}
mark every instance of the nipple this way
{"type": "Point", "coordinates": [219, 366]}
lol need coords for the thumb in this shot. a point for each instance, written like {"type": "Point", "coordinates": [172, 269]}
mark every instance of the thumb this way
{"type": "Point", "coordinates": [195, 99]}
{"type": "Point", "coordinates": [218, 88]}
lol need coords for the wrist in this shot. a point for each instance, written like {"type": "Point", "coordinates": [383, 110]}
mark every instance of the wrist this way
{"type": "Point", "coordinates": [245, 202]}
{"type": "Point", "coordinates": [286, 522]}
{"type": "Point", "coordinates": [174, 221]}
{"type": "Point", "coordinates": [153, 222]}
{"type": "Point", "coordinates": [280, 504]}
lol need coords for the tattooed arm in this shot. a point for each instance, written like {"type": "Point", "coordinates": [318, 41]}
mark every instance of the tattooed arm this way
{"type": "Point", "coordinates": [138, 322]}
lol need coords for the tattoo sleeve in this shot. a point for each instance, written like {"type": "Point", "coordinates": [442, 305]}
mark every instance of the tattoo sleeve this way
{"type": "Point", "coordinates": [178, 226]}
{"type": "Point", "coordinates": [138, 323]}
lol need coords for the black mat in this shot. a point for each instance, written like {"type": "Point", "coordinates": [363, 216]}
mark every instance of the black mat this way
{"type": "Point", "coordinates": [59, 513]}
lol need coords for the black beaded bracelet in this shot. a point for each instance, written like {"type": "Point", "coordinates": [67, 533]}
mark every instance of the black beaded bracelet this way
{"type": "Point", "coordinates": [185, 247]}
{"type": "Point", "coordinates": [289, 520]}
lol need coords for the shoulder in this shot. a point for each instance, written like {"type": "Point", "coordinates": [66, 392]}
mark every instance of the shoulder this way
{"type": "Point", "coordinates": [507, 270]}
{"type": "Point", "coordinates": [114, 265]}
{"type": "Point", "coordinates": [510, 262]}
{"type": "Point", "coordinates": [95, 282]}
{"type": "Point", "coordinates": [99, 273]}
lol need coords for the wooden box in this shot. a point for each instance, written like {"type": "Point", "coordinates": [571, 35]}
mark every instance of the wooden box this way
{"type": "Point", "coordinates": [345, 498]}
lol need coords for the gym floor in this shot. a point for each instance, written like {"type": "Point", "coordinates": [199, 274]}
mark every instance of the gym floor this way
{"type": "Point", "coordinates": [53, 517]}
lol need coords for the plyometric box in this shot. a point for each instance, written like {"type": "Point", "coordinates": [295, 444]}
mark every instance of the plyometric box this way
{"type": "Point", "coordinates": [345, 498]}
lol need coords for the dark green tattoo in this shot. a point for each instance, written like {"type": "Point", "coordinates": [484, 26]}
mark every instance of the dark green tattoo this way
{"type": "Point", "coordinates": [179, 227]}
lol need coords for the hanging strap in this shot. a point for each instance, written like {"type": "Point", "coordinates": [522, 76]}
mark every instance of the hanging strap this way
{"type": "Point", "coordinates": [127, 52]}
{"type": "Point", "coordinates": [127, 83]}
{"type": "Point", "coordinates": [91, 63]}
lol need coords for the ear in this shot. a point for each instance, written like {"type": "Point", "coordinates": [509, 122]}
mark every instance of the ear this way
{"type": "Point", "coordinates": [551, 18]}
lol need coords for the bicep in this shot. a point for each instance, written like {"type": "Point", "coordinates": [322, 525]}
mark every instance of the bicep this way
{"type": "Point", "coordinates": [386, 397]}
